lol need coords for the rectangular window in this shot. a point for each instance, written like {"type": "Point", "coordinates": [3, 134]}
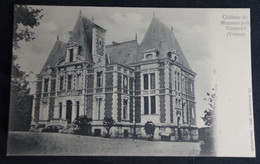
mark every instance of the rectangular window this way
{"type": "Point", "coordinates": [71, 55]}
{"type": "Point", "coordinates": [46, 84]}
{"type": "Point", "coordinates": [99, 106]}
{"type": "Point", "coordinates": [146, 105]}
{"type": "Point", "coordinates": [178, 79]}
{"type": "Point", "coordinates": [53, 85]}
{"type": "Point", "coordinates": [152, 80]}
{"type": "Point", "coordinates": [69, 82]}
{"type": "Point", "coordinates": [145, 81]}
{"type": "Point", "coordinates": [175, 80]}
{"type": "Point", "coordinates": [77, 112]}
{"type": "Point", "coordinates": [99, 79]}
{"type": "Point", "coordinates": [125, 112]}
{"type": "Point", "coordinates": [153, 111]}
{"type": "Point", "coordinates": [60, 113]}
{"type": "Point", "coordinates": [61, 83]}
{"type": "Point", "coordinates": [77, 85]}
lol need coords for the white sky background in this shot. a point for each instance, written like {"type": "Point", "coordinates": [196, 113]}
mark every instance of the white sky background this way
{"type": "Point", "coordinates": [191, 28]}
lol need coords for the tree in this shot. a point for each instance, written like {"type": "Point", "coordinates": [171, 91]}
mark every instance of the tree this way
{"type": "Point", "coordinates": [84, 125]}
{"type": "Point", "coordinates": [108, 123]}
{"type": "Point", "coordinates": [208, 117]}
{"type": "Point", "coordinates": [24, 18]}
{"type": "Point", "coordinates": [21, 102]}
{"type": "Point", "coordinates": [207, 147]}
{"type": "Point", "coordinates": [149, 128]}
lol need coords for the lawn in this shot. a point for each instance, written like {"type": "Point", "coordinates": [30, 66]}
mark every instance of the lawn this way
{"type": "Point", "coordinates": [34, 143]}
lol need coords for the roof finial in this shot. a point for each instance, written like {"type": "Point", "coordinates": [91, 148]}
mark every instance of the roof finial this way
{"type": "Point", "coordinates": [135, 36]}
{"type": "Point", "coordinates": [93, 18]}
{"type": "Point", "coordinates": [79, 12]}
{"type": "Point", "coordinates": [58, 37]}
{"type": "Point", "coordinates": [153, 14]}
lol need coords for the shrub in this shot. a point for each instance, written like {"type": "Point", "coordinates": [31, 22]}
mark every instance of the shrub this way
{"type": "Point", "coordinates": [108, 122]}
{"type": "Point", "coordinates": [84, 125]}
{"type": "Point", "coordinates": [149, 128]}
{"type": "Point", "coordinates": [51, 128]}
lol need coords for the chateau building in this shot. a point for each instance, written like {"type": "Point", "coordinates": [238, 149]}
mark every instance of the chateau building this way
{"type": "Point", "coordinates": [130, 82]}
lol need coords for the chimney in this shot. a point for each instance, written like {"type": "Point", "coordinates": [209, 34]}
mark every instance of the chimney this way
{"type": "Point", "coordinates": [114, 43]}
{"type": "Point", "coordinates": [58, 37]}
{"type": "Point", "coordinates": [172, 29]}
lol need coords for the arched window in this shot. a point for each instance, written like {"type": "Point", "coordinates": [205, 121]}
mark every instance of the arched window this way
{"type": "Point", "coordinates": [149, 56]}
{"type": "Point", "coordinates": [169, 54]}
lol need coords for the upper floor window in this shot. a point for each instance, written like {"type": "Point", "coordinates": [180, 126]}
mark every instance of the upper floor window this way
{"type": "Point", "coordinates": [152, 80]}
{"type": "Point", "coordinates": [71, 55]}
{"type": "Point", "coordinates": [146, 81]}
{"type": "Point", "coordinates": [192, 113]}
{"type": "Point", "coordinates": [46, 85]}
{"type": "Point", "coordinates": [178, 81]}
{"type": "Point", "coordinates": [149, 78]}
{"type": "Point", "coordinates": [99, 79]}
{"type": "Point", "coordinates": [61, 82]}
{"type": "Point", "coordinates": [69, 82]}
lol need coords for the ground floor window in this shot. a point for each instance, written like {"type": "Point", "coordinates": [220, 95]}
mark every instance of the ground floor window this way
{"type": "Point", "coordinates": [149, 108]}
{"type": "Point", "coordinates": [60, 113]}
{"type": "Point", "coordinates": [77, 114]}
{"type": "Point", "coordinates": [125, 109]}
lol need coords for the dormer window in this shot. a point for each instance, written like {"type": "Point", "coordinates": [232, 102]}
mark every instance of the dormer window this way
{"type": "Point", "coordinates": [72, 52]}
{"type": "Point", "coordinates": [169, 54]}
{"type": "Point", "coordinates": [150, 54]}
{"type": "Point", "coordinates": [71, 55]}
{"type": "Point", "coordinates": [173, 55]}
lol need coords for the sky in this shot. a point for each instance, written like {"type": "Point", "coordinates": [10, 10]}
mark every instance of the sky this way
{"type": "Point", "coordinates": [191, 27]}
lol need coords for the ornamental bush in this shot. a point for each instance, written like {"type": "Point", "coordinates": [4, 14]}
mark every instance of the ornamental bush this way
{"type": "Point", "coordinates": [108, 123]}
{"type": "Point", "coordinates": [149, 128]}
{"type": "Point", "coordinates": [83, 124]}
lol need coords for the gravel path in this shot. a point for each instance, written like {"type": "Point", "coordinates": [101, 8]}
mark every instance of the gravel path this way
{"type": "Point", "coordinates": [33, 143]}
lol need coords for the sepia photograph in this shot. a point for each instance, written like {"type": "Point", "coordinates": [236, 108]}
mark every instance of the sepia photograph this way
{"type": "Point", "coordinates": [114, 81]}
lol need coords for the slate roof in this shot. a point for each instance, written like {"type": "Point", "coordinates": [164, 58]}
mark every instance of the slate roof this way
{"type": "Point", "coordinates": [82, 34]}
{"type": "Point", "coordinates": [160, 37]}
{"type": "Point", "coordinates": [58, 51]}
{"type": "Point", "coordinates": [123, 53]}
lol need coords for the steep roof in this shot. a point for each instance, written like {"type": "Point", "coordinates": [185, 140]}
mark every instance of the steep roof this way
{"type": "Point", "coordinates": [58, 51]}
{"type": "Point", "coordinates": [82, 34]}
{"type": "Point", "coordinates": [123, 53]}
{"type": "Point", "coordinates": [160, 37]}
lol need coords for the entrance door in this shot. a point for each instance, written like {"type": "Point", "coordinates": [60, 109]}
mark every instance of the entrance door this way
{"type": "Point", "coordinates": [69, 111]}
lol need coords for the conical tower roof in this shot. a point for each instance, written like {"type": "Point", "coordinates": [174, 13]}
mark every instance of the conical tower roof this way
{"type": "Point", "coordinates": [160, 37]}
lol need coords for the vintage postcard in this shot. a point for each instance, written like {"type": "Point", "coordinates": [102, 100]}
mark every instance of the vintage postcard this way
{"type": "Point", "coordinates": [112, 81]}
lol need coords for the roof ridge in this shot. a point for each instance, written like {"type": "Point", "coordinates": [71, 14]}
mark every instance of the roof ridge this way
{"type": "Point", "coordinates": [120, 43]}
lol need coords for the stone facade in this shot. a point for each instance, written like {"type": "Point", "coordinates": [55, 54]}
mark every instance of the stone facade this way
{"type": "Point", "coordinates": [130, 82]}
